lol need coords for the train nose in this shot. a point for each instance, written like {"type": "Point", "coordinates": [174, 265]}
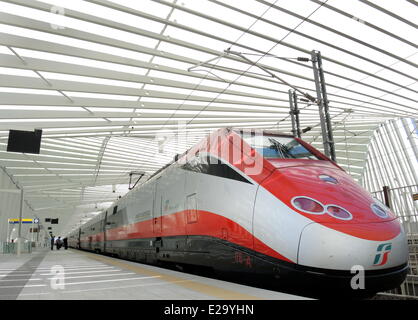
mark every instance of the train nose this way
{"type": "Point", "coordinates": [381, 247]}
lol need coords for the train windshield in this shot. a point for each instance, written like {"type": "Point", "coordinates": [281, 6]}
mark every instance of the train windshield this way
{"type": "Point", "coordinates": [277, 147]}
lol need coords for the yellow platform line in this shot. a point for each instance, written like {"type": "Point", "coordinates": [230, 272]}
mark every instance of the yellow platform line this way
{"type": "Point", "coordinates": [189, 284]}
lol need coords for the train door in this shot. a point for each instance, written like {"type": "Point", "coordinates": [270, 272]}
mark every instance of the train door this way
{"type": "Point", "coordinates": [157, 210]}
{"type": "Point", "coordinates": [191, 213]}
{"type": "Point", "coordinates": [190, 204]}
{"type": "Point", "coordinates": [191, 209]}
{"type": "Point", "coordinates": [104, 232]}
{"type": "Point", "coordinates": [78, 239]}
{"type": "Point", "coordinates": [90, 243]}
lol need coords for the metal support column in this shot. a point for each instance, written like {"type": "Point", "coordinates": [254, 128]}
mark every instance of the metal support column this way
{"type": "Point", "coordinates": [8, 232]}
{"type": "Point", "coordinates": [19, 237]}
{"type": "Point", "coordinates": [386, 194]}
{"type": "Point", "coordinates": [37, 232]}
{"type": "Point", "coordinates": [322, 100]}
{"type": "Point", "coordinates": [294, 113]}
{"type": "Point", "coordinates": [296, 110]}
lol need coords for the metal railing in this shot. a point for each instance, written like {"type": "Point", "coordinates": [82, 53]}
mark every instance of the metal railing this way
{"type": "Point", "coordinates": [403, 205]}
{"type": "Point", "coordinates": [11, 247]}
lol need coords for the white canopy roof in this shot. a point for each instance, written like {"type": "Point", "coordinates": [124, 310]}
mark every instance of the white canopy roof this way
{"type": "Point", "coordinates": [111, 82]}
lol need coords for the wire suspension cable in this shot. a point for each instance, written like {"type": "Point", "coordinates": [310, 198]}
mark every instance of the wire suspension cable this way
{"type": "Point", "coordinates": [275, 45]}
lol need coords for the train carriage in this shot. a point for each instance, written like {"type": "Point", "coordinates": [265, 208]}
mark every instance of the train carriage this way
{"type": "Point", "coordinates": [255, 203]}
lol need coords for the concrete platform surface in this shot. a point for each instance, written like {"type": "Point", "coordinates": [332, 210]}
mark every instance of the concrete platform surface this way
{"type": "Point", "coordinates": [78, 275]}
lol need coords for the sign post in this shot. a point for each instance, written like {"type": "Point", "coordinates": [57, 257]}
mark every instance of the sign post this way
{"type": "Point", "coordinates": [19, 237]}
{"type": "Point", "coordinates": [8, 231]}
{"type": "Point", "coordinates": [36, 221]}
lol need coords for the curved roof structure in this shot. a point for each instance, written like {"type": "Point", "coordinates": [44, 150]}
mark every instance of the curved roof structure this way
{"type": "Point", "coordinates": [121, 86]}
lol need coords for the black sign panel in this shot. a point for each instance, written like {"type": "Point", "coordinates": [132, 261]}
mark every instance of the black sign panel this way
{"type": "Point", "coordinates": [24, 141]}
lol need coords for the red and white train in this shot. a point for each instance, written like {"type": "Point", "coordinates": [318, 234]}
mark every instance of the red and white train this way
{"type": "Point", "coordinates": [257, 203]}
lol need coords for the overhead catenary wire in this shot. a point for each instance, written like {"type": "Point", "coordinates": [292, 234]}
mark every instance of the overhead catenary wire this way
{"type": "Point", "coordinates": [275, 45]}
{"type": "Point", "coordinates": [366, 23]}
{"type": "Point", "coordinates": [220, 57]}
{"type": "Point", "coordinates": [317, 39]}
{"type": "Point", "coordinates": [389, 13]}
{"type": "Point", "coordinates": [345, 35]}
{"type": "Point", "coordinates": [101, 2]}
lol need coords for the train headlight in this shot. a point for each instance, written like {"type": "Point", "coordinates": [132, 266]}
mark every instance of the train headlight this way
{"type": "Point", "coordinates": [338, 212]}
{"type": "Point", "coordinates": [380, 210]}
{"type": "Point", "coordinates": [308, 205]}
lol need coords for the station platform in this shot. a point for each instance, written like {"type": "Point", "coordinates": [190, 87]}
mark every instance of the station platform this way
{"type": "Point", "coordinates": [78, 275]}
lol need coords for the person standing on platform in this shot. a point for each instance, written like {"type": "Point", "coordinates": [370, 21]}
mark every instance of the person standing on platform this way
{"type": "Point", "coordinates": [52, 242]}
{"type": "Point", "coordinates": [59, 243]}
{"type": "Point", "coordinates": [65, 243]}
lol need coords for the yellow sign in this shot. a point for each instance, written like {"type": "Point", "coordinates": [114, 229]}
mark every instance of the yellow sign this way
{"type": "Point", "coordinates": [14, 221]}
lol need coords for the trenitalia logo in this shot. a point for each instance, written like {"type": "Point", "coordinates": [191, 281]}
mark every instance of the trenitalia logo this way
{"type": "Point", "coordinates": [383, 251]}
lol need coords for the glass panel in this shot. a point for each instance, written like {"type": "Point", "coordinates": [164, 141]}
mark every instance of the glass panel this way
{"type": "Point", "coordinates": [277, 147]}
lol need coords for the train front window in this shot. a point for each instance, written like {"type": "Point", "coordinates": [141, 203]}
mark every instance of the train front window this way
{"type": "Point", "coordinates": [277, 147]}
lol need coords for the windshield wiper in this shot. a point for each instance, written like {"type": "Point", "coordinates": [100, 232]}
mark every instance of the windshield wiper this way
{"type": "Point", "coordinates": [279, 147]}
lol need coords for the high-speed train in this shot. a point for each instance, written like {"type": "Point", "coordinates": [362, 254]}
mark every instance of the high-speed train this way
{"type": "Point", "coordinates": [256, 203]}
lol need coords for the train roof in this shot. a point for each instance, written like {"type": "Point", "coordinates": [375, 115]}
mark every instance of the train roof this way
{"type": "Point", "coordinates": [228, 129]}
{"type": "Point", "coordinates": [178, 156]}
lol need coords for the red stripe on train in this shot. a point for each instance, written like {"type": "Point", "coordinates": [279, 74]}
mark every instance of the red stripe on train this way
{"type": "Point", "coordinates": [189, 222]}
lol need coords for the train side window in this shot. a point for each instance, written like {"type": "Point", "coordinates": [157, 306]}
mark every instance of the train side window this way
{"type": "Point", "coordinates": [191, 208]}
{"type": "Point", "coordinates": [209, 165]}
